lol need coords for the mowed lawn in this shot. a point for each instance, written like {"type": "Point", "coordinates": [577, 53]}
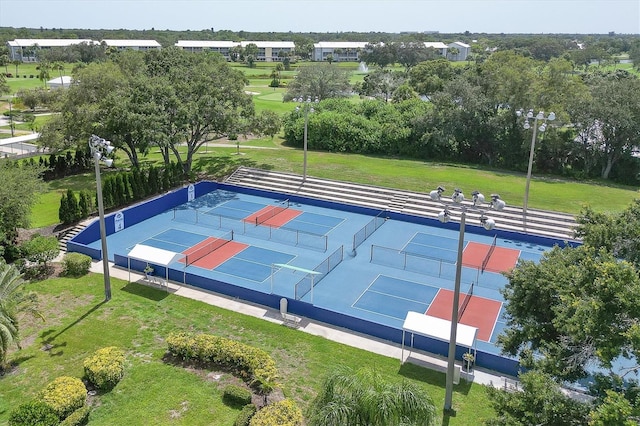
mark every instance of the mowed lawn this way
{"type": "Point", "coordinates": [154, 391]}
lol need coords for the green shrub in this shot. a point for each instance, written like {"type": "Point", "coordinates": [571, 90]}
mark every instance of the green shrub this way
{"type": "Point", "coordinates": [65, 395]}
{"type": "Point", "coordinates": [249, 362]}
{"type": "Point", "coordinates": [281, 413]}
{"type": "Point", "coordinates": [76, 264]}
{"type": "Point", "coordinates": [80, 417]}
{"type": "Point", "coordinates": [34, 413]}
{"type": "Point", "coordinates": [245, 415]}
{"type": "Point", "coordinates": [105, 367]}
{"type": "Point", "coordinates": [236, 395]}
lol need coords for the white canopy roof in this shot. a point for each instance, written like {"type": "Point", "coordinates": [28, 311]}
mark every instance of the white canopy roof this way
{"type": "Point", "coordinates": [153, 255]}
{"type": "Point", "coordinates": [439, 329]}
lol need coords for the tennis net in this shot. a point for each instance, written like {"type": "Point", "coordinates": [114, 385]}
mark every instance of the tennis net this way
{"type": "Point", "coordinates": [465, 302]}
{"type": "Point", "coordinates": [208, 248]}
{"type": "Point", "coordinates": [274, 211]}
{"type": "Point", "coordinates": [489, 253]}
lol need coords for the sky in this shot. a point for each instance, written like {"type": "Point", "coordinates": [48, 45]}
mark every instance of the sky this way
{"type": "Point", "coordinates": [330, 16]}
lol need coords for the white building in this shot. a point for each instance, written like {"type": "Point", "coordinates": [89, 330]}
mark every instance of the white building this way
{"type": "Point", "coordinates": [133, 44]}
{"type": "Point", "coordinates": [463, 51]}
{"type": "Point", "coordinates": [25, 49]}
{"type": "Point", "coordinates": [268, 51]}
{"type": "Point", "coordinates": [340, 51]}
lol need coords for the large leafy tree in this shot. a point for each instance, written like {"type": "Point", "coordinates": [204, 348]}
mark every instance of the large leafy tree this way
{"type": "Point", "coordinates": [608, 121]}
{"type": "Point", "coordinates": [320, 81]}
{"type": "Point", "coordinates": [576, 308]}
{"type": "Point", "coordinates": [618, 233]}
{"type": "Point", "coordinates": [19, 191]}
{"type": "Point", "coordinates": [364, 397]}
{"type": "Point", "coordinates": [13, 301]}
{"type": "Point", "coordinates": [540, 402]}
{"type": "Point", "coordinates": [164, 98]}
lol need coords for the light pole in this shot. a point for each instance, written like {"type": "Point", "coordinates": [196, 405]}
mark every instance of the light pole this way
{"type": "Point", "coordinates": [540, 117]}
{"type": "Point", "coordinates": [99, 149]}
{"type": "Point", "coordinates": [307, 107]}
{"type": "Point", "coordinates": [456, 202]}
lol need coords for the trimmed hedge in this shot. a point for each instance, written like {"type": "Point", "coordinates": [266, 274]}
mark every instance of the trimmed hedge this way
{"type": "Point", "coordinates": [80, 417]}
{"type": "Point", "coordinates": [236, 395]}
{"type": "Point", "coordinates": [65, 395]}
{"type": "Point", "coordinates": [243, 419]}
{"type": "Point", "coordinates": [250, 363]}
{"type": "Point", "coordinates": [33, 413]}
{"type": "Point", "coordinates": [281, 413]}
{"type": "Point", "coordinates": [76, 264]}
{"type": "Point", "coordinates": [105, 368]}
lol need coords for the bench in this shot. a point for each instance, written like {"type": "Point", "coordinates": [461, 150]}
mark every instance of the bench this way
{"type": "Point", "coordinates": [290, 320]}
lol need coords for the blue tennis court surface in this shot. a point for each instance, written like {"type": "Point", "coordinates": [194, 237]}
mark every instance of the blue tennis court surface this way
{"type": "Point", "coordinates": [400, 267]}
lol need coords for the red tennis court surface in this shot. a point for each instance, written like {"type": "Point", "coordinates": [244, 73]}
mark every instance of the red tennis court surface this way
{"type": "Point", "coordinates": [277, 216]}
{"type": "Point", "coordinates": [501, 259]}
{"type": "Point", "coordinates": [481, 312]}
{"type": "Point", "coordinates": [216, 257]}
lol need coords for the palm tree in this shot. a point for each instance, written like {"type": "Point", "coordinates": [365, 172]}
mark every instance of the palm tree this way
{"type": "Point", "coordinates": [363, 397]}
{"type": "Point", "coordinates": [13, 300]}
{"type": "Point", "coordinates": [44, 75]}
{"type": "Point", "coordinates": [58, 66]}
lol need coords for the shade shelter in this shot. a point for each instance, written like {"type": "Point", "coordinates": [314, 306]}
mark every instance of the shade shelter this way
{"type": "Point", "coordinates": [439, 329]}
{"type": "Point", "coordinates": [153, 256]}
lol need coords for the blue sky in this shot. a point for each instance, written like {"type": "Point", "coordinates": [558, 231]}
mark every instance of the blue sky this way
{"type": "Point", "coordinates": [490, 16]}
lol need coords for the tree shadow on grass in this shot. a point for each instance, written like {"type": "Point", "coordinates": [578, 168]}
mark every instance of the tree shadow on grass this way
{"type": "Point", "coordinates": [220, 166]}
{"type": "Point", "coordinates": [424, 373]}
{"type": "Point", "coordinates": [147, 292]}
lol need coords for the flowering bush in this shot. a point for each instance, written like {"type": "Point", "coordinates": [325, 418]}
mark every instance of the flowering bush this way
{"type": "Point", "coordinates": [64, 395]}
{"type": "Point", "coordinates": [249, 362]}
{"type": "Point", "coordinates": [281, 413]}
{"type": "Point", "coordinates": [105, 367]}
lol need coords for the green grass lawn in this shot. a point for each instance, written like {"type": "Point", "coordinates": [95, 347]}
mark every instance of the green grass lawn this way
{"type": "Point", "coordinates": [548, 193]}
{"type": "Point", "coordinates": [138, 319]}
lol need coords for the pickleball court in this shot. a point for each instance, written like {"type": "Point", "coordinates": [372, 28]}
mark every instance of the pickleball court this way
{"type": "Point", "coordinates": [255, 244]}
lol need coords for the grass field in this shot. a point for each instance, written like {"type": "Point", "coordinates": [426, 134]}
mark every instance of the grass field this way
{"type": "Point", "coordinates": [138, 319]}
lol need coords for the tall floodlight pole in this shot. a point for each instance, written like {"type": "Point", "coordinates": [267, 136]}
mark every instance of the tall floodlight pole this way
{"type": "Point", "coordinates": [306, 107]}
{"type": "Point", "coordinates": [539, 117]}
{"type": "Point", "coordinates": [99, 149]}
{"type": "Point", "coordinates": [457, 202]}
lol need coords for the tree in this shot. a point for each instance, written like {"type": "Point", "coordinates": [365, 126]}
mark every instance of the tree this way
{"type": "Point", "coordinates": [452, 53]}
{"type": "Point", "coordinates": [618, 233]}
{"type": "Point", "coordinates": [320, 81]}
{"type": "Point", "coordinates": [576, 308]}
{"type": "Point", "coordinates": [268, 123]}
{"type": "Point", "coordinates": [380, 54]}
{"type": "Point", "coordinates": [58, 66]}
{"type": "Point", "coordinates": [609, 120]}
{"type": "Point", "coordinates": [251, 53]}
{"type": "Point", "coordinates": [13, 301]}
{"type": "Point", "coordinates": [303, 46]}
{"type": "Point", "coordinates": [430, 76]}
{"type": "Point", "coordinates": [19, 191]}
{"type": "Point", "coordinates": [412, 53]}
{"type": "Point", "coordinates": [381, 83]}
{"type": "Point", "coordinates": [43, 72]}
{"type": "Point", "coordinates": [363, 397]}
{"type": "Point", "coordinates": [541, 402]}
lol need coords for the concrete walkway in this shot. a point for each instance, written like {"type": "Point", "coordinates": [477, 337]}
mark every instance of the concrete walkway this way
{"type": "Point", "coordinates": [327, 331]}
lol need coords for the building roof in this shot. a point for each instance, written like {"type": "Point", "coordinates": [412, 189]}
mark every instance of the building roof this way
{"type": "Point", "coordinates": [206, 43]}
{"type": "Point", "coordinates": [435, 45]}
{"type": "Point", "coordinates": [47, 42]}
{"type": "Point", "coordinates": [459, 43]}
{"type": "Point", "coordinates": [131, 43]}
{"type": "Point", "coordinates": [341, 45]}
{"type": "Point", "coordinates": [272, 44]}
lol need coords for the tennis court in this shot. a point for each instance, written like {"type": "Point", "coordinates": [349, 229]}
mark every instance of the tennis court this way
{"type": "Point", "coordinates": [230, 240]}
